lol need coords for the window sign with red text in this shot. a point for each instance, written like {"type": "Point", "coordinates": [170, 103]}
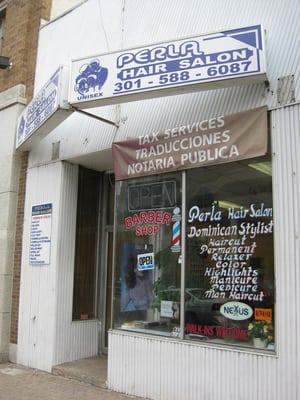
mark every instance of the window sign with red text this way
{"type": "Point", "coordinates": [147, 269]}
{"type": "Point", "coordinates": [147, 222]}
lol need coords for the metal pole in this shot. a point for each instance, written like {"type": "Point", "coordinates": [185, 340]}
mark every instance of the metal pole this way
{"type": "Point", "coordinates": [107, 121]}
{"type": "Point", "coordinates": [183, 234]}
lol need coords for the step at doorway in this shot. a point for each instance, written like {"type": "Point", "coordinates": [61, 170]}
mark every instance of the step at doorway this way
{"type": "Point", "coordinates": [91, 370]}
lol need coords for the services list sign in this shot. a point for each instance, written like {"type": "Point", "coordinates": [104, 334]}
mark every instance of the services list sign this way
{"type": "Point", "coordinates": [196, 63]}
{"type": "Point", "coordinates": [40, 235]}
{"type": "Point", "coordinates": [217, 140]}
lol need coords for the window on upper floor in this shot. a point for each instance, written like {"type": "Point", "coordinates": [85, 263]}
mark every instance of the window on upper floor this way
{"type": "Point", "coordinates": [2, 23]}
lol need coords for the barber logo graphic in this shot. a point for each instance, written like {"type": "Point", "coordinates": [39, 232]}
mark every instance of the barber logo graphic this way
{"type": "Point", "coordinates": [91, 78]}
{"type": "Point", "coordinates": [21, 129]}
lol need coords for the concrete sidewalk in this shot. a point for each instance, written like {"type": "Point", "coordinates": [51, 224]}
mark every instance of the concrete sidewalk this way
{"type": "Point", "coordinates": [20, 383]}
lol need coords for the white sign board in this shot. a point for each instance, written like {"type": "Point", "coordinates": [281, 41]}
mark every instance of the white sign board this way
{"type": "Point", "coordinates": [40, 235]}
{"type": "Point", "coordinates": [169, 309]}
{"type": "Point", "coordinates": [236, 310]}
{"type": "Point", "coordinates": [46, 110]}
{"type": "Point", "coordinates": [197, 63]}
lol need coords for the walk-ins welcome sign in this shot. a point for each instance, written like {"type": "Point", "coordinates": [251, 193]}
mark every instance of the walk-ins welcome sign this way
{"type": "Point", "coordinates": [195, 63]}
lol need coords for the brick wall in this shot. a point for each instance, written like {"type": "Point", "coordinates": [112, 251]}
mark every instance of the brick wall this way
{"type": "Point", "coordinates": [20, 42]}
{"type": "Point", "coordinates": [18, 250]}
{"type": "Point", "coordinates": [22, 24]}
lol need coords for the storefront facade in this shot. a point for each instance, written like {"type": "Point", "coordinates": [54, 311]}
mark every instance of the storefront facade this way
{"type": "Point", "coordinates": [170, 237]}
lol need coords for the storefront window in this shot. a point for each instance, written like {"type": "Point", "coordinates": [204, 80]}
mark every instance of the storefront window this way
{"type": "Point", "coordinates": [229, 254]}
{"type": "Point", "coordinates": [222, 280]}
{"type": "Point", "coordinates": [147, 259]}
{"type": "Point", "coordinates": [229, 273]}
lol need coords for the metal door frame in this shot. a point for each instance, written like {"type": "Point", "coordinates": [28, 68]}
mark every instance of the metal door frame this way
{"type": "Point", "coordinates": [103, 250]}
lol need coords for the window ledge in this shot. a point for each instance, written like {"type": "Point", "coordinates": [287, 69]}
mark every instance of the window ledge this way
{"type": "Point", "coordinates": [214, 346]}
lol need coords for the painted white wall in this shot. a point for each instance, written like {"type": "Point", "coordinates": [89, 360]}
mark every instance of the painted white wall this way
{"type": "Point", "coordinates": [99, 26]}
{"type": "Point", "coordinates": [38, 291]}
{"type": "Point", "coordinates": [11, 105]}
{"type": "Point", "coordinates": [61, 6]}
{"type": "Point", "coordinates": [46, 335]}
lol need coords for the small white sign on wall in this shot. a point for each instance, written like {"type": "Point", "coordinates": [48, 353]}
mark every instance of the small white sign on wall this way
{"type": "Point", "coordinates": [40, 234]}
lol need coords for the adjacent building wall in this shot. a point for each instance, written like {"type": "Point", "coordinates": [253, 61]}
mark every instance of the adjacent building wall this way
{"type": "Point", "coordinates": [22, 23]}
{"type": "Point", "coordinates": [11, 104]}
